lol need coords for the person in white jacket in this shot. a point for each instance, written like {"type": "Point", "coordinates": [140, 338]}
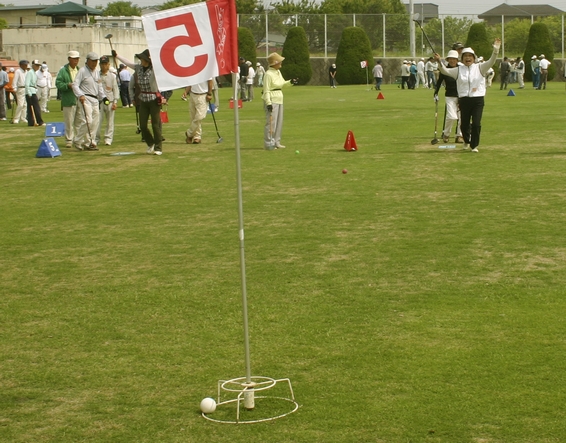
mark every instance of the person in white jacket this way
{"type": "Point", "coordinates": [470, 82]}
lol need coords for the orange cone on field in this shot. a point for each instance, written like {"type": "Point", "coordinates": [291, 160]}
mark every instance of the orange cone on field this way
{"type": "Point", "coordinates": [380, 96]}
{"type": "Point", "coordinates": [350, 143]}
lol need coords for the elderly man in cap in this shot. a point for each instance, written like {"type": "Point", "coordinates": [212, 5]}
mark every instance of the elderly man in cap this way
{"type": "Point", "coordinates": [44, 83]}
{"type": "Point", "coordinates": [33, 111]}
{"type": "Point", "coordinates": [244, 70]}
{"type": "Point", "coordinates": [88, 89]}
{"type": "Point", "coordinates": [64, 83]}
{"type": "Point", "coordinates": [535, 67]}
{"type": "Point", "coordinates": [544, 63]}
{"type": "Point", "coordinates": [19, 85]}
{"type": "Point", "coordinates": [150, 100]}
{"type": "Point", "coordinates": [107, 107]}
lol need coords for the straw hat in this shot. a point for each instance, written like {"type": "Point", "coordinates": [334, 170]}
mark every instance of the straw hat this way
{"type": "Point", "coordinates": [274, 59]}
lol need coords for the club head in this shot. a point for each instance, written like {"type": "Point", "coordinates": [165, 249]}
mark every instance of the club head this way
{"type": "Point", "coordinates": [220, 140]}
{"type": "Point", "coordinates": [108, 36]}
{"type": "Point", "coordinates": [138, 131]}
{"type": "Point", "coordinates": [434, 141]}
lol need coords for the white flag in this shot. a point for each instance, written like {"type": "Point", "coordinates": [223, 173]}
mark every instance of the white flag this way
{"type": "Point", "coordinates": [193, 43]}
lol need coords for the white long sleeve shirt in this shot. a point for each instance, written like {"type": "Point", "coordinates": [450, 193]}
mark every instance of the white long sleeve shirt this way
{"type": "Point", "coordinates": [470, 80]}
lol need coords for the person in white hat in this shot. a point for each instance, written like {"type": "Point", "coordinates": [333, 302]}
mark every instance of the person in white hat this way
{"type": "Point", "coordinates": [90, 92]}
{"type": "Point", "coordinates": [259, 73]}
{"type": "Point", "coordinates": [44, 83]}
{"type": "Point", "coordinates": [250, 81]}
{"type": "Point", "coordinates": [273, 82]}
{"type": "Point", "coordinates": [421, 74]}
{"type": "Point", "coordinates": [544, 63]}
{"type": "Point", "coordinates": [108, 106]}
{"type": "Point", "coordinates": [452, 113]}
{"type": "Point", "coordinates": [470, 81]}
{"type": "Point", "coordinates": [3, 82]}
{"type": "Point", "coordinates": [64, 84]}
{"type": "Point", "coordinates": [19, 84]}
{"type": "Point", "coordinates": [520, 70]}
{"type": "Point", "coordinates": [430, 67]}
{"type": "Point", "coordinates": [33, 109]}
{"type": "Point", "coordinates": [405, 73]}
{"type": "Point", "coordinates": [535, 68]}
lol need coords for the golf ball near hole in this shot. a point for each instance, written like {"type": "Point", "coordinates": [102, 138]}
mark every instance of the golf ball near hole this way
{"type": "Point", "coordinates": [297, 152]}
{"type": "Point", "coordinates": [344, 171]}
{"type": "Point", "coordinates": [208, 405]}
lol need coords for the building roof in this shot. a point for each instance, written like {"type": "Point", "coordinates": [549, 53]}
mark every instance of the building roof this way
{"type": "Point", "coordinates": [23, 8]}
{"type": "Point", "coordinates": [521, 11]}
{"type": "Point", "coordinates": [69, 9]}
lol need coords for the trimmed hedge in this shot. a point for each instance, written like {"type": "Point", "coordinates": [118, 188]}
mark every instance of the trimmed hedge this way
{"type": "Point", "coordinates": [297, 57]}
{"type": "Point", "coordinates": [539, 43]}
{"type": "Point", "coordinates": [246, 45]}
{"type": "Point", "coordinates": [479, 41]}
{"type": "Point", "coordinates": [354, 47]}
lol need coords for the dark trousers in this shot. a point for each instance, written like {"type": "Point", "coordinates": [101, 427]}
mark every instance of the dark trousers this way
{"type": "Point", "coordinates": [404, 81]}
{"type": "Point", "coordinates": [125, 93]}
{"type": "Point", "coordinates": [34, 111]}
{"type": "Point", "coordinates": [152, 109]}
{"type": "Point", "coordinates": [471, 110]}
{"type": "Point", "coordinates": [378, 81]}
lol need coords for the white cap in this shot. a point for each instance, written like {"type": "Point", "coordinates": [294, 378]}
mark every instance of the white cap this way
{"type": "Point", "coordinates": [11, 69]}
{"type": "Point", "coordinates": [73, 54]}
{"type": "Point", "coordinates": [468, 51]}
{"type": "Point", "coordinates": [92, 56]}
{"type": "Point", "coordinates": [453, 54]}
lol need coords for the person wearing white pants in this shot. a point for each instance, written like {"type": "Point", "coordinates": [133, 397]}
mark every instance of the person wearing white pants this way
{"type": "Point", "coordinates": [89, 91]}
{"type": "Point", "coordinates": [451, 100]}
{"type": "Point", "coordinates": [199, 97]}
{"type": "Point", "coordinates": [107, 107]}
{"type": "Point", "coordinates": [44, 83]}
{"type": "Point", "coordinates": [19, 83]}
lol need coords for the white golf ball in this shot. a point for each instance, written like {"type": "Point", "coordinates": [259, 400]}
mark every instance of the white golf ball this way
{"type": "Point", "coordinates": [208, 405]}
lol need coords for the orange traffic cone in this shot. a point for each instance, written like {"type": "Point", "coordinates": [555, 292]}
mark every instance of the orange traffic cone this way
{"type": "Point", "coordinates": [380, 96]}
{"type": "Point", "coordinates": [350, 143]}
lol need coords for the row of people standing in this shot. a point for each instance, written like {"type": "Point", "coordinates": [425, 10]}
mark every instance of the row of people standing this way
{"type": "Point", "coordinates": [422, 73]}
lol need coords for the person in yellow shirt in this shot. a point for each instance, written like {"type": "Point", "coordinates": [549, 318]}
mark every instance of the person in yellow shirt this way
{"type": "Point", "coordinates": [273, 82]}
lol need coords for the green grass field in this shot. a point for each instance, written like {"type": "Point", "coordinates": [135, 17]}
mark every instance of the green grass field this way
{"type": "Point", "coordinates": [418, 298]}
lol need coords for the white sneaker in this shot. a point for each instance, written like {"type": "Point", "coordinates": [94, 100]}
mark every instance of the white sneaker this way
{"type": "Point", "coordinates": [150, 150]}
{"type": "Point", "coordinates": [24, 120]}
{"type": "Point", "coordinates": [279, 146]}
{"type": "Point", "coordinates": [158, 152]}
{"type": "Point", "coordinates": [466, 146]}
{"type": "Point", "coordinates": [475, 150]}
{"type": "Point", "coordinates": [15, 122]}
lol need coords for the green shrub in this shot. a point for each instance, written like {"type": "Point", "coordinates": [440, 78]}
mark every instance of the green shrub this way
{"type": "Point", "coordinates": [479, 41]}
{"type": "Point", "coordinates": [297, 58]}
{"type": "Point", "coordinates": [539, 42]}
{"type": "Point", "coordinates": [246, 45]}
{"type": "Point", "coordinates": [354, 47]}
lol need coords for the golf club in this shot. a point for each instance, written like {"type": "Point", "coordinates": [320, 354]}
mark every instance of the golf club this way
{"type": "Point", "coordinates": [109, 37]}
{"type": "Point", "coordinates": [215, 125]}
{"type": "Point", "coordinates": [138, 130]}
{"type": "Point", "coordinates": [434, 141]}
{"type": "Point", "coordinates": [424, 33]}
{"type": "Point", "coordinates": [91, 146]}
{"type": "Point", "coordinates": [33, 114]}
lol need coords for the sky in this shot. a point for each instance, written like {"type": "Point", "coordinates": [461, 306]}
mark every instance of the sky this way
{"type": "Point", "coordinates": [445, 7]}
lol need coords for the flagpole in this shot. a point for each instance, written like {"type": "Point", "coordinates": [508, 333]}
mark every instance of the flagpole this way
{"type": "Point", "coordinates": [241, 230]}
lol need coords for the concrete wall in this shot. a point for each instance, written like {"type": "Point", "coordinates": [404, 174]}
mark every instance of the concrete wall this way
{"type": "Point", "coordinates": [52, 44]}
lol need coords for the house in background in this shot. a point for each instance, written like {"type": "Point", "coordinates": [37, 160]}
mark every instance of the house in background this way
{"type": "Point", "coordinates": [23, 16]}
{"type": "Point", "coordinates": [511, 12]}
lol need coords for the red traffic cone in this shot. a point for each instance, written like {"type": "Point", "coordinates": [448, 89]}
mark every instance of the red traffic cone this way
{"type": "Point", "coordinates": [350, 143]}
{"type": "Point", "coordinates": [380, 96]}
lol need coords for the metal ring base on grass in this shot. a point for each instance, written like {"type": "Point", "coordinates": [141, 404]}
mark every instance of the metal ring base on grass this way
{"type": "Point", "coordinates": [241, 387]}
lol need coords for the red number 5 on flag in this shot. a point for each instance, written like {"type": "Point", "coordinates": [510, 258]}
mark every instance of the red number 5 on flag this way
{"type": "Point", "coordinates": [192, 39]}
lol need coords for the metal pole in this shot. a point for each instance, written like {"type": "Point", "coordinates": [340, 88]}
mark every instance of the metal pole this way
{"type": "Point", "coordinates": [412, 28]}
{"type": "Point", "coordinates": [383, 35]}
{"type": "Point", "coordinates": [241, 231]}
{"type": "Point", "coordinates": [325, 36]}
{"type": "Point", "coordinates": [442, 27]}
{"type": "Point", "coordinates": [266, 36]}
{"type": "Point", "coordinates": [502, 36]}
